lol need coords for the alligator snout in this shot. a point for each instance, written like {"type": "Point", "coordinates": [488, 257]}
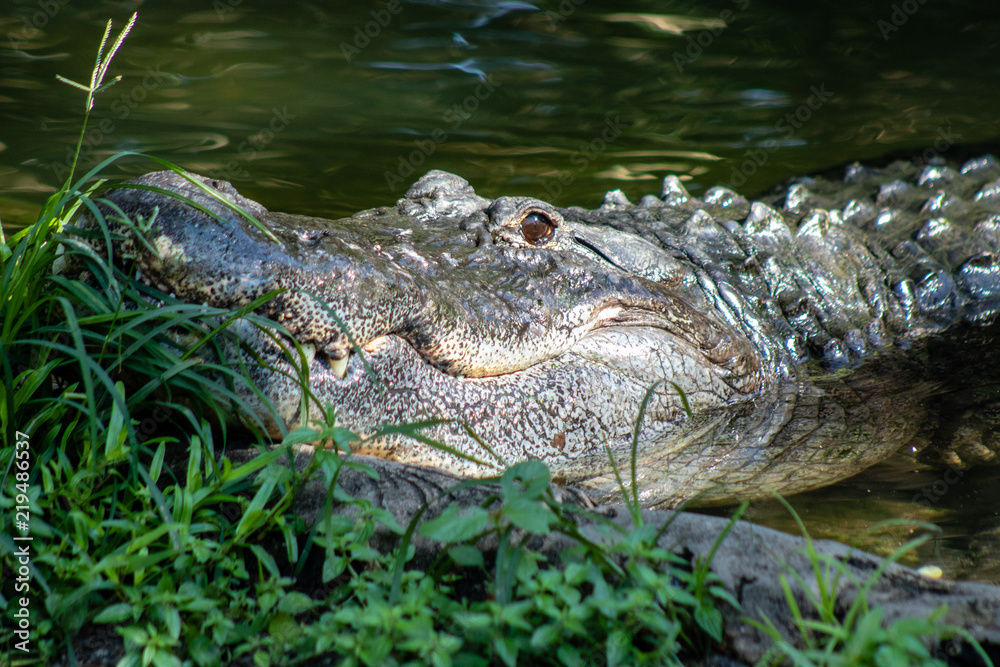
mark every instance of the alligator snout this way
{"type": "Point", "coordinates": [530, 297]}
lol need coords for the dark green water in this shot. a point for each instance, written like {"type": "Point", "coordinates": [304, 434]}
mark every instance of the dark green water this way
{"type": "Point", "coordinates": [318, 108]}
{"type": "Point", "coordinates": [325, 108]}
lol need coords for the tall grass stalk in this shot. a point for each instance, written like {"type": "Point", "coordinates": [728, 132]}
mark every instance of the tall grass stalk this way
{"type": "Point", "coordinates": [96, 85]}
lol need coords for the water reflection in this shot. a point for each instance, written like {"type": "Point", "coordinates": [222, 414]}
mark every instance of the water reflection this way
{"type": "Point", "coordinates": [713, 78]}
{"type": "Point", "coordinates": [473, 66]}
{"type": "Point", "coordinates": [674, 25]}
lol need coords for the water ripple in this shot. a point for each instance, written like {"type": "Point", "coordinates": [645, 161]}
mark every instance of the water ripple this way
{"type": "Point", "coordinates": [476, 66]}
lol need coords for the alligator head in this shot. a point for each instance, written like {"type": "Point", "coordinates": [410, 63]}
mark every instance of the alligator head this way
{"type": "Point", "coordinates": [521, 325]}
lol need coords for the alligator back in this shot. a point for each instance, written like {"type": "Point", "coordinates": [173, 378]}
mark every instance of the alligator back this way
{"type": "Point", "coordinates": [835, 269]}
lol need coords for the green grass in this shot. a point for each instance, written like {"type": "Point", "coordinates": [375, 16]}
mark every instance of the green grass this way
{"type": "Point", "coordinates": [141, 524]}
{"type": "Point", "coordinates": [856, 636]}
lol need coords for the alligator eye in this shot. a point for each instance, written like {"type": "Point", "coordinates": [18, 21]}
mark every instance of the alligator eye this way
{"type": "Point", "coordinates": [537, 228]}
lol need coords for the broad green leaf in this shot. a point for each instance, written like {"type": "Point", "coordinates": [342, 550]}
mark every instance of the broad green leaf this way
{"type": "Point", "coordinates": [529, 479]}
{"type": "Point", "coordinates": [115, 613]}
{"type": "Point", "coordinates": [545, 636]}
{"type": "Point", "coordinates": [455, 526]}
{"type": "Point", "coordinates": [709, 619]}
{"type": "Point", "coordinates": [530, 515]}
{"type": "Point", "coordinates": [467, 556]}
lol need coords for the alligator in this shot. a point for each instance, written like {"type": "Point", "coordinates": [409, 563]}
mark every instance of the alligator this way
{"type": "Point", "coordinates": [717, 342]}
{"type": "Point", "coordinates": [726, 348]}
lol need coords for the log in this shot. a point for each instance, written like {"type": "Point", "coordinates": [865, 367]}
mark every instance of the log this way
{"type": "Point", "coordinates": [749, 562]}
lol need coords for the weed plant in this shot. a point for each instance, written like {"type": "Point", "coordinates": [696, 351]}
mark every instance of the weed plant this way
{"type": "Point", "coordinates": [857, 636]}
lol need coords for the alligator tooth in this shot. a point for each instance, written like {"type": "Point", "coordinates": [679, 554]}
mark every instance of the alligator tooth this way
{"type": "Point", "coordinates": [309, 350]}
{"type": "Point", "coordinates": [339, 366]}
{"type": "Point", "coordinates": [376, 345]}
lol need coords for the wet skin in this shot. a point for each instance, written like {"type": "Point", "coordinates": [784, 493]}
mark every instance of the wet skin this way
{"type": "Point", "coordinates": [541, 329]}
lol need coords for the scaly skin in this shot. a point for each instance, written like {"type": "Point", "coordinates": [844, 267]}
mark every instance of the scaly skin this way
{"type": "Point", "coordinates": [541, 329]}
